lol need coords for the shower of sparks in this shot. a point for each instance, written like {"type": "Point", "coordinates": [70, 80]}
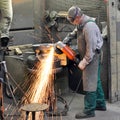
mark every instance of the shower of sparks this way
{"type": "Point", "coordinates": [43, 77]}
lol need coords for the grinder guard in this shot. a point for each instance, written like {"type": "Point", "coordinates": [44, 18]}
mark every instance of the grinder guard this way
{"type": "Point", "coordinates": [67, 51]}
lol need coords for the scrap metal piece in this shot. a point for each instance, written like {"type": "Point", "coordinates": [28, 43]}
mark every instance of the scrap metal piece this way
{"type": "Point", "coordinates": [17, 51]}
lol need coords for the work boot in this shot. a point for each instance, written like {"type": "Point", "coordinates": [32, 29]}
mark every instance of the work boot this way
{"type": "Point", "coordinates": [101, 108]}
{"type": "Point", "coordinates": [83, 115]}
{"type": "Point", "coordinates": [4, 41]}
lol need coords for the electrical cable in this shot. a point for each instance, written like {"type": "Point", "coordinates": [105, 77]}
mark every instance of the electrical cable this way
{"type": "Point", "coordinates": [66, 106]}
{"type": "Point", "coordinates": [75, 92]}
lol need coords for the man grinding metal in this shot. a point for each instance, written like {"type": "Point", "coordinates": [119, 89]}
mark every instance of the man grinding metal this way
{"type": "Point", "coordinates": [89, 43]}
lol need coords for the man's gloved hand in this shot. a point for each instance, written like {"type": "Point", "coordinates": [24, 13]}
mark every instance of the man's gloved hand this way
{"type": "Point", "coordinates": [66, 41]}
{"type": "Point", "coordinates": [82, 64]}
{"type": "Point", "coordinates": [4, 41]}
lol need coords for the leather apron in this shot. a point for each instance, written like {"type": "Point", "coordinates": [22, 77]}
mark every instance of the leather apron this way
{"type": "Point", "coordinates": [90, 73]}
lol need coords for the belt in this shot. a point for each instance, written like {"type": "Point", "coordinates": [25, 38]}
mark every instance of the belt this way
{"type": "Point", "coordinates": [98, 51]}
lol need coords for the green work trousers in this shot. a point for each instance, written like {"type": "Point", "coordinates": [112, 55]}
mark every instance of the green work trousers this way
{"type": "Point", "coordinates": [95, 98]}
{"type": "Point", "coordinates": [6, 14]}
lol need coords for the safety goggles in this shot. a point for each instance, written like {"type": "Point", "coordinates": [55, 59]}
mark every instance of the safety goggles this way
{"type": "Point", "coordinates": [72, 19]}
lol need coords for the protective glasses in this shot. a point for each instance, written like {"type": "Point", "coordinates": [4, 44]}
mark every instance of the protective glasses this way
{"type": "Point", "coordinates": [71, 19]}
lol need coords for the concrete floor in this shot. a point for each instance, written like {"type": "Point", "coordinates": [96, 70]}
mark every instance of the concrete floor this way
{"type": "Point", "coordinates": [75, 103]}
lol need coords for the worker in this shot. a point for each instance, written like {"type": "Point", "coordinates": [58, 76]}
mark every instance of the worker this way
{"type": "Point", "coordinates": [89, 43]}
{"type": "Point", "coordinates": [6, 14]}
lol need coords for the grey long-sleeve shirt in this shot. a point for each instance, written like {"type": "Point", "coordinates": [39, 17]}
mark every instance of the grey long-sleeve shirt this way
{"type": "Point", "coordinates": [93, 39]}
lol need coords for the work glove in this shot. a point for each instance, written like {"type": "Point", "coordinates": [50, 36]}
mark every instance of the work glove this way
{"type": "Point", "coordinates": [67, 40]}
{"type": "Point", "coordinates": [70, 36]}
{"type": "Point", "coordinates": [82, 64]}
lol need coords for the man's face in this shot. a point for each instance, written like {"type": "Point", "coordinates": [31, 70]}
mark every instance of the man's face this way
{"type": "Point", "coordinates": [76, 21]}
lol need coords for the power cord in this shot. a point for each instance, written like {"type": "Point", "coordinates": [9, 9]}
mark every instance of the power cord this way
{"type": "Point", "coordinates": [75, 92]}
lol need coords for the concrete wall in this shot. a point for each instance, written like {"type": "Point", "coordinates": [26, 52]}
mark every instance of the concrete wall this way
{"type": "Point", "coordinates": [95, 8]}
{"type": "Point", "coordinates": [114, 53]}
